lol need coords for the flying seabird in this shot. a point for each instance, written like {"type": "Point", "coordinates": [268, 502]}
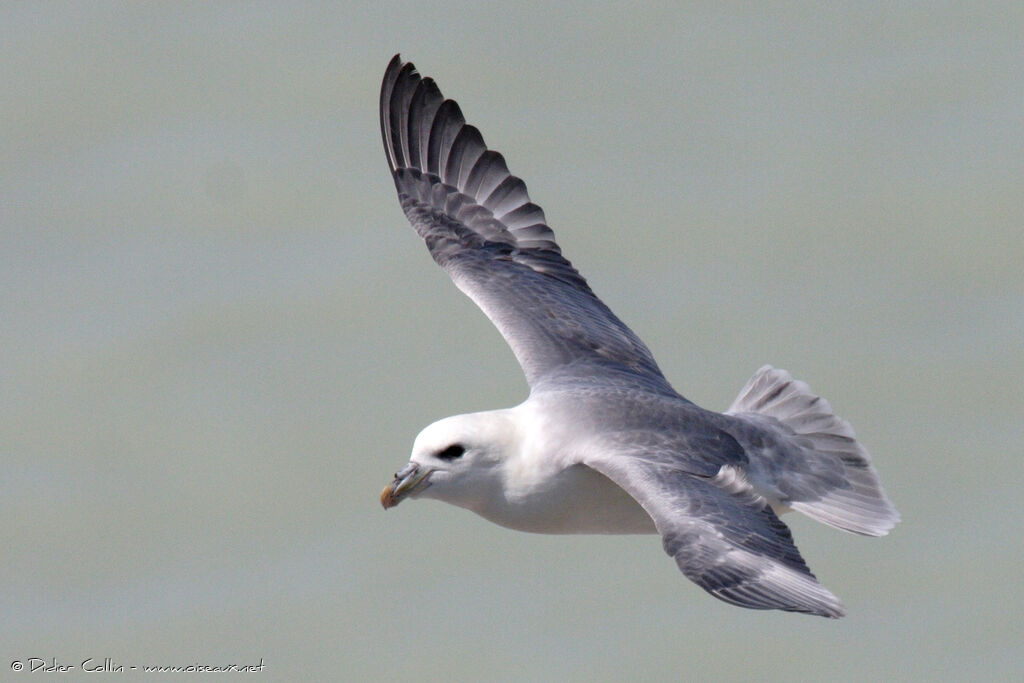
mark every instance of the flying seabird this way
{"type": "Point", "coordinates": [603, 443]}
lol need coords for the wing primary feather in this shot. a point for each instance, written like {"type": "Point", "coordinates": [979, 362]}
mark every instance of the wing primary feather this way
{"type": "Point", "coordinates": [416, 117]}
{"type": "Point", "coordinates": [467, 148]}
{"type": "Point", "coordinates": [400, 114]}
{"type": "Point", "coordinates": [486, 174]}
{"type": "Point", "coordinates": [387, 89]}
{"type": "Point", "coordinates": [509, 194]}
{"type": "Point", "coordinates": [448, 121]}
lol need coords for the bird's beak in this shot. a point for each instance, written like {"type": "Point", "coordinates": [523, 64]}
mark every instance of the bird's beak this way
{"type": "Point", "coordinates": [408, 479]}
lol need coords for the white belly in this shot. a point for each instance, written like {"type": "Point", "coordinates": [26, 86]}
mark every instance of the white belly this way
{"type": "Point", "coordinates": [578, 500]}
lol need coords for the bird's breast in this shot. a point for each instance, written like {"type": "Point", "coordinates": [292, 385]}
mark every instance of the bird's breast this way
{"type": "Point", "coordinates": [574, 500]}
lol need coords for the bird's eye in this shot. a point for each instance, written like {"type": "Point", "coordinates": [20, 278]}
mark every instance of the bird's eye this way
{"type": "Point", "coordinates": [452, 452]}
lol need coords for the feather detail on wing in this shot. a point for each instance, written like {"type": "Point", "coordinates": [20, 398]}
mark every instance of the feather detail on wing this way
{"type": "Point", "coordinates": [728, 542]}
{"type": "Point", "coordinates": [480, 226]}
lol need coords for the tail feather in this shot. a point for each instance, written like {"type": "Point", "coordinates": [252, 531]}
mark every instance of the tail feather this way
{"type": "Point", "coordinates": [828, 474]}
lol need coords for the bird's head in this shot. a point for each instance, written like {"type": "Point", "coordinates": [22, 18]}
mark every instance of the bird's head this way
{"type": "Point", "coordinates": [458, 460]}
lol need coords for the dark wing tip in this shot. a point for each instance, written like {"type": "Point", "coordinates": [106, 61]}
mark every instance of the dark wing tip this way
{"type": "Point", "coordinates": [397, 71]}
{"type": "Point", "coordinates": [429, 135]}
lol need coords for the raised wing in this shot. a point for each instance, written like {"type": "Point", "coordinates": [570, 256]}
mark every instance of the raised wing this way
{"type": "Point", "coordinates": [728, 542]}
{"type": "Point", "coordinates": [481, 227]}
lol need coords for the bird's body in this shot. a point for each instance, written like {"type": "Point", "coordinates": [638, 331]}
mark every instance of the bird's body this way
{"type": "Point", "coordinates": [603, 443]}
{"type": "Point", "coordinates": [539, 484]}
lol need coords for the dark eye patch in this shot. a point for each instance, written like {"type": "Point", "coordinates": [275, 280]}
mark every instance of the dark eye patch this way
{"type": "Point", "coordinates": [452, 452]}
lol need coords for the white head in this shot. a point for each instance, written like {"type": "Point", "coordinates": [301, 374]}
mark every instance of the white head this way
{"type": "Point", "coordinates": [459, 460]}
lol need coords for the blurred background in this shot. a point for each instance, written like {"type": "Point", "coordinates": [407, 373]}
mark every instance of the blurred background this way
{"type": "Point", "coordinates": [218, 335]}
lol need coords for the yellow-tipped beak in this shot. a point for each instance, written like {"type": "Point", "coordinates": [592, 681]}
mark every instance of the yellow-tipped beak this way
{"type": "Point", "coordinates": [406, 480]}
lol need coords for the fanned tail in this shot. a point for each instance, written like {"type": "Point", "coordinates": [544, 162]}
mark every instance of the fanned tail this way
{"type": "Point", "coordinates": [828, 474]}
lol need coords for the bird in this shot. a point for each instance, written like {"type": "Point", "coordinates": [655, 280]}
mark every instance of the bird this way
{"type": "Point", "coordinates": [603, 444]}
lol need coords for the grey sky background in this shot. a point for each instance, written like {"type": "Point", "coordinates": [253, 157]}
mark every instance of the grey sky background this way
{"type": "Point", "coordinates": [218, 336]}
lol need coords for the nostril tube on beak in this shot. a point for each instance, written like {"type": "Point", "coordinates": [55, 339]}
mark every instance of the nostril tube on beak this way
{"type": "Point", "coordinates": [406, 479]}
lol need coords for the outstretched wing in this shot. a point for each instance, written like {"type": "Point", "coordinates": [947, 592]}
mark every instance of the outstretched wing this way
{"type": "Point", "coordinates": [481, 227]}
{"type": "Point", "coordinates": [728, 542]}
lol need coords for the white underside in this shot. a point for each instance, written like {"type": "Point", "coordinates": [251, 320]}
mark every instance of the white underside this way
{"type": "Point", "coordinates": [577, 500]}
